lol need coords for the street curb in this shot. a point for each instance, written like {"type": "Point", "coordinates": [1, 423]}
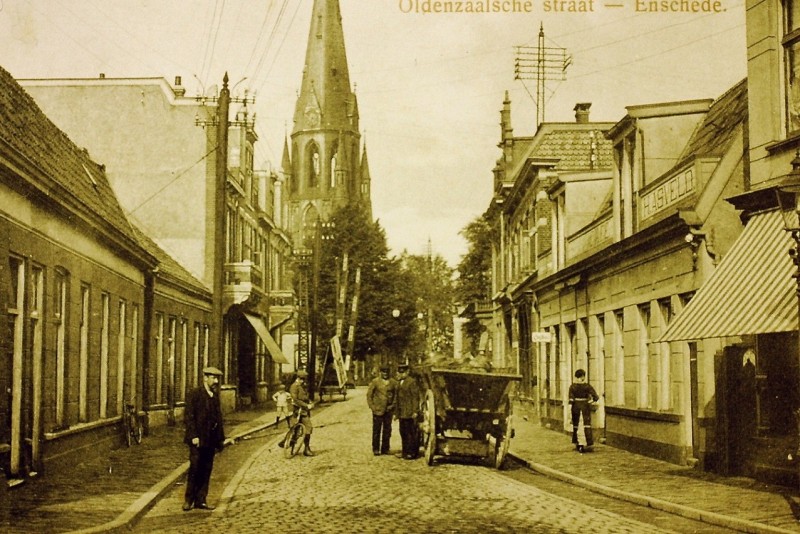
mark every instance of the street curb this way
{"type": "Point", "coordinates": [147, 500]}
{"type": "Point", "coordinates": [655, 503]}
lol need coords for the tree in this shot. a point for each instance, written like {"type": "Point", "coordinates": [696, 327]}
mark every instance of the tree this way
{"type": "Point", "coordinates": [383, 285]}
{"type": "Point", "coordinates": [431, 282]}
{"type": "Point", "coordinates": [474, 282]}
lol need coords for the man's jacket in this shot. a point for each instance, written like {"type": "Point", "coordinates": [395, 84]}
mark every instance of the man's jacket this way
{"type": "Point", "coordinates": [203, 418]}
{"type": "Point", "coordinates": [381, 395]}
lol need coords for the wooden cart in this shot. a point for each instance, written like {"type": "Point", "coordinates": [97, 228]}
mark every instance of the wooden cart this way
{"type": "Point", "coordinates": [466, 413]}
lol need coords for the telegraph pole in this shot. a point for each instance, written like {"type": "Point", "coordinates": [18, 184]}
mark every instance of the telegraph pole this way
{"type": "Point", "coordinates": [219, 212]}
{"type": "Point", "coordinates": [541, 64]}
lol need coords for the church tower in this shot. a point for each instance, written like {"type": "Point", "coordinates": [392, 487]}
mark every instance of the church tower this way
{"type": "Point", "coordinates": [326, 165]}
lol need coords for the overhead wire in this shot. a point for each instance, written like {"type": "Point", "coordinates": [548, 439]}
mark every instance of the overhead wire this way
{"type": "Point", "coordinates": [175, 179]}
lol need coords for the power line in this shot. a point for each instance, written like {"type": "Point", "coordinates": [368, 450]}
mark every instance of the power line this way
{"type": "Point", "coordinates": [158, 192]}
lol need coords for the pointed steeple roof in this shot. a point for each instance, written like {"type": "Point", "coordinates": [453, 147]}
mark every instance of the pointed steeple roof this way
{"type": "Point", "coordinates": [364, 165]}
{"type": "Point", "coordinates": [325, 100]}
{"type": "Point", "coordinates": [286, 160]}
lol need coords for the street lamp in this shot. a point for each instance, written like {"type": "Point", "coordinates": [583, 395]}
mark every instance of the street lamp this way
{"type": "Point", "coordinates": [788, 193]}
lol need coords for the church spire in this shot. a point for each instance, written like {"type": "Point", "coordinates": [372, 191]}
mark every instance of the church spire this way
{"type": "Point", "coordinates": [325, 100]}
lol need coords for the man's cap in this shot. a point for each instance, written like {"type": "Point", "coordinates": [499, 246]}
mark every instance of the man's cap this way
{"type": "Point", "coordinates": [402, 367]}
{"type": "Point", "coordinates": [301, 374]}
{"type": "Point", "coordinates": [281, 386]}
{"type": "Point", "coordinates": [212, 371]}
{"type": "Point", "coordinates": [384, 369]}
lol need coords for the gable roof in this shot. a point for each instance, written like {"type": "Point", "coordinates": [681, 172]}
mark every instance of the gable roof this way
{"type": "Point", "coordinates": [57, 168]}
{"type": "Point", "coordinates": [573, 149]}
{"type": "Point", "coordinates": [716, 131]}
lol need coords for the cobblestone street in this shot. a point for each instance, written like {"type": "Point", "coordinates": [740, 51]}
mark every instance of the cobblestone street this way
{"type": "Point", "coordinates": [344, 488]}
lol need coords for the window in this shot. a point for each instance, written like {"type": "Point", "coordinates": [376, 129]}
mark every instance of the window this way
{"type": "Point", "coordinates": [104, 323]}
{"type": "Point", "coordinates": [619, 357]}
{"type": "Point", "coordinates": [313, 165]}
{"type": "Point", "coordinates": [665, 374]}
{"type": "Point", "coordinates": [60, 308]}
{"type": "Point", "coordinates": [37, 328]}
{"type": "Point", "coordinates": [184, 359]}
{"type": "Point", "coordinates": [159, 340]}
{"type": "Point", "coordinates": [791, 45]}
{"type": "Point", "coordinates": [644, 357]}
{"type": "Point", "coordinates": [134, 374]}
{"type": "Point", "coordinates": [122, 332]}
{"type": "Point", "coordinates": [171, 363]}
{"type": "Point", "coordinates": [83, 380]}
{"type": "Point", "coordinates": [196, 355]}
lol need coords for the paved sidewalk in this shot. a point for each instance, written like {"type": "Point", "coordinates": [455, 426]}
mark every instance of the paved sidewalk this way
{"type": "Point", "coordinates": [105, 492]}
{"type": "Point", "coordinates": [733, 502]}
{"type": "Point", "coordinates": [111, 491]}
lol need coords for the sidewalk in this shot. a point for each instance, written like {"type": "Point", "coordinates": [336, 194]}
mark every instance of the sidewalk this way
{"type": "Point", "coordinates": [107, 491]}
{"type": "Point", "coordinates": [111, 491]}
{"type": "Point", "coordinates": [733, 502]}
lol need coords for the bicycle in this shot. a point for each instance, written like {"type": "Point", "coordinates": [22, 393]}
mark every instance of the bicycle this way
{"type": "Point", "coordinates": [132, 425]}
{"type": "Point", "coordinates": [293, 440]}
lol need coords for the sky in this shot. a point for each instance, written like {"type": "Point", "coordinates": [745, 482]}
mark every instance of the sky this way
{"type": "Point", "coordinates": [430, 85]}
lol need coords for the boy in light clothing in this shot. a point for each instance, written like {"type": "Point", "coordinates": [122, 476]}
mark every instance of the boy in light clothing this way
{"type": "Point", "coordinates": [282, 400]}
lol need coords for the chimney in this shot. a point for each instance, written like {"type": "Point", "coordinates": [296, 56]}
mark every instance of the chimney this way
{"type": "Point", "coordinates": [102, 75]}
{"type": "Point", "coordinates": [582, 112]}
{"type": "Point", "coordinates": [179, 89]}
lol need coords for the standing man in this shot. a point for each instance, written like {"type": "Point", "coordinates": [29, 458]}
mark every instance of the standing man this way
{"type": "Point", "coordinates": [407, 410]}
{"type": "Point", "coordinates": [303, 404]}
{"type": "Point", "coordinates": [582, 396]}
{"type": "Point", "coordinates": [381, 396]}
{"type": "Point", "coordinates": [204, 436]}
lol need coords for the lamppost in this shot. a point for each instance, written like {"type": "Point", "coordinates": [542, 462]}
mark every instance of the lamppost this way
{"type": "Point", "coordinates": [788, 193]}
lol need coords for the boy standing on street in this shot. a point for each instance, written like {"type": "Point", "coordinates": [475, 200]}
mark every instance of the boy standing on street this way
{"type": "Point", "coordinates": [282, 399]}
{"type": "Point", "coordinates": [582, 396]}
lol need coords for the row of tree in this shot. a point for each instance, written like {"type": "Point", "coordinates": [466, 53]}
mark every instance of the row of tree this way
{"type": "Point", "coordinates": [405, 304]}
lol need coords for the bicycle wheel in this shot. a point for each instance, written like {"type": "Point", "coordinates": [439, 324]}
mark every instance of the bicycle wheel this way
{"type": "Point", "coordinates": [138, 432]}
{"type": "Point", "coordinates": [128, 431]}
{"type": "Point", "coordinates": [295, 442]}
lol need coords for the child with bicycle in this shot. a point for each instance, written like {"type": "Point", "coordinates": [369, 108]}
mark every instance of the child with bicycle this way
{"type": "Point", "coordinates": [302, 403]}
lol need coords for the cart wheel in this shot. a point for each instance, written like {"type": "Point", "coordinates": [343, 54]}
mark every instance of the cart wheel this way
{"type": "Point", "coordinates": [429, 427]}
{"type": "Point", "coordinates": [501, 448]}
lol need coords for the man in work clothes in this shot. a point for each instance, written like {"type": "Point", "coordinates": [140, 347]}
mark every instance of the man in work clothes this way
{"type": "Point", "coordinates": [381, 396]}
{"type": "Point", "coordinates": [582, 396]}
{"type": "Point", "coordinates": [407, 410]}
{"type": "Point", "coordinates": [204, 436]}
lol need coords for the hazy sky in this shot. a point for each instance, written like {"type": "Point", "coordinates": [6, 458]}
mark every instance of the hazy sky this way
{"type": "Point", "coordinates": [429, 85]}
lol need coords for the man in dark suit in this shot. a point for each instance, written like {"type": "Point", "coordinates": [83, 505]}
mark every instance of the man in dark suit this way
{"type": "Point", "coordinates": [204, 436]}
{"type": "Point", "coordinates": [408, 402]}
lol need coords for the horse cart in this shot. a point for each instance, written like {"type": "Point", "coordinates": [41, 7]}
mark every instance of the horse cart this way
{"type": "Point", "coordinates": [466, 413]}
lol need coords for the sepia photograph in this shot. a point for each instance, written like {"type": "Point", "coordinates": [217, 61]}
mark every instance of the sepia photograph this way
{"type": "Point", "coordinates": [400, 266]}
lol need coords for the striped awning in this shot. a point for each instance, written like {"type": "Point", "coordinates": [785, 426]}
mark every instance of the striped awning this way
{"type": "Point", "coordinates": [751, 292]}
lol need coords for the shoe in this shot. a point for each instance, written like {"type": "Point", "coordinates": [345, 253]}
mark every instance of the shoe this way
{"type": "Point", "coordinates": [308, 452]}
{"type": "Point", "coordinates": [399, 455]}
{"type": "Point", "coordinates": [408, 457]}
{"type": "Point", "coordinates": [187, 506]}
{"type": "Point", "coordinates": [204, 506]}
{"type": "Point", "coordinates": [376, 453]}
{"type": "Point", "coordinates": [581, 449]}
{"type": "Point", "coordinates": [280, 444]}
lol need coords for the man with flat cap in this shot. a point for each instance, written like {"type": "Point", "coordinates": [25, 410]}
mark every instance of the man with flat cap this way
{"type": "Point", "coordinates": [204, 436]}
{"type": "Point", "coordinates": [381, 397]}
{"type": "Point", "coordinates": [408, 402]}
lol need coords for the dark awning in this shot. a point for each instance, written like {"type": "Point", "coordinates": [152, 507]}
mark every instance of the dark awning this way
{"type": "Point", "coordinates": [262, 331]}
{"type": "Point", "coordinates": [751, 292]}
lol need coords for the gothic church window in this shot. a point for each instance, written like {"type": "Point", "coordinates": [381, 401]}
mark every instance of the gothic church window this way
{"type": "Point", "coordinates": [314, 166]}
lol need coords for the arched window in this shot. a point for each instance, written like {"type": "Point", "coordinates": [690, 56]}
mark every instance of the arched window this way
{"type": "Point", "coordinates": [333, 167]}
{"type": "Point", "coordinates": [314, 165]}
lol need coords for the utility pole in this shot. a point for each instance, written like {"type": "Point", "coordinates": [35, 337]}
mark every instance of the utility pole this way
{"type": "Point", "coordinates": [541, 64]}
{"type": "Point", "coordinates": [219, 213]}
